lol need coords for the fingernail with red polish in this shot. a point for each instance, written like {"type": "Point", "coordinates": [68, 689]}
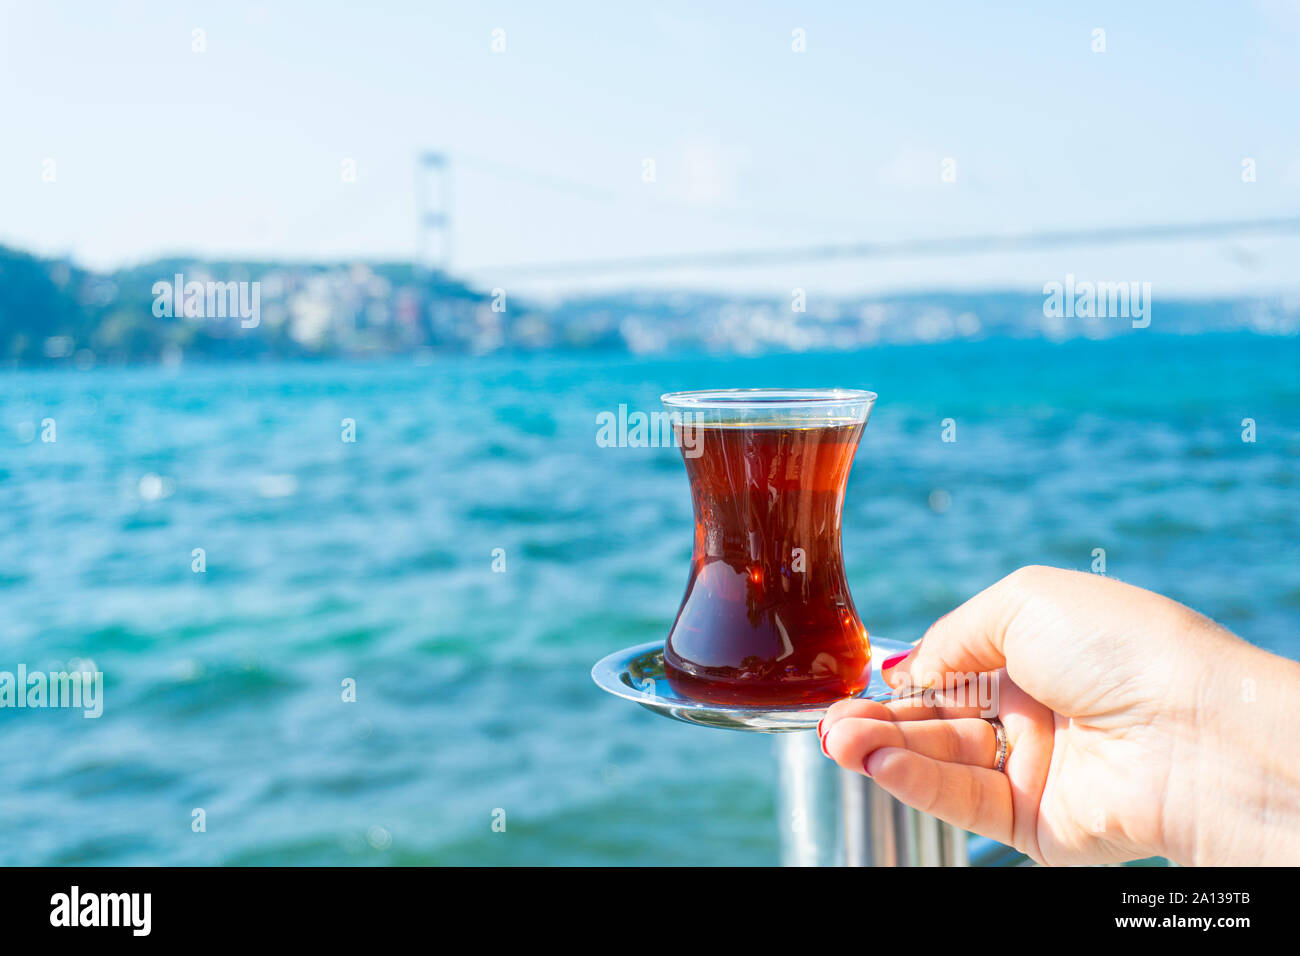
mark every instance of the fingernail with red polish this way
{"type": "Point", "coordinates": [864, 765]}
{"type": "Point", "coordinates": [819, 728]}
{"type": "Point", "coordinates": [822, 743]}
{"type": "Point", "coordinates": [892, 661]}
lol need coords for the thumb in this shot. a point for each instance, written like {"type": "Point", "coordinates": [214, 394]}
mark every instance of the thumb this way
{"type": "Point", "coordinates": [969, 639]}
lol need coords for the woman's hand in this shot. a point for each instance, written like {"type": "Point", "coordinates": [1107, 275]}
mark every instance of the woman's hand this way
{"type": "Point", "coordinates": [1137, 728]}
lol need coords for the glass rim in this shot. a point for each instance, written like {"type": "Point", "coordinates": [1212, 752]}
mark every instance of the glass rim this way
{"type": "Point", "coordinates": [763, 398]}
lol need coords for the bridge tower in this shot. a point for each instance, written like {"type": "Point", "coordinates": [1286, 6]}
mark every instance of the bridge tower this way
{"type": "Point", "coordinates": [433, 211]}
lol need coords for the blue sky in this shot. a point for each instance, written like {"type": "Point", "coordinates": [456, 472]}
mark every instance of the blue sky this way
{"type": "Point", "coordinates": [238, 151]}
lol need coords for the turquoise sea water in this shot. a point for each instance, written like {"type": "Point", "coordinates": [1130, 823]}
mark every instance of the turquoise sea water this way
{"type": "Point", "coordinates": [373, 561]}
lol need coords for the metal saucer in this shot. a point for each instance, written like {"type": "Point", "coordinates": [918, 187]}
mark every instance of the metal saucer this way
{"type": "Point", "coordinates": [637, 674]}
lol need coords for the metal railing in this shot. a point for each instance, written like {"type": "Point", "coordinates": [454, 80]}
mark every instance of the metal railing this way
{"type": "Point", "coordinates": [831, 817]}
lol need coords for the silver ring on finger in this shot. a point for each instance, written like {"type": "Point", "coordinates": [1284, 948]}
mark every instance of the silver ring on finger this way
{"type": "Point", "coordinates": [1003, 748]}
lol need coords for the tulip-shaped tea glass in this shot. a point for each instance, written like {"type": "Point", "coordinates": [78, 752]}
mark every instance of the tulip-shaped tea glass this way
{"type": "Point", "coordinates": [767, 619]}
